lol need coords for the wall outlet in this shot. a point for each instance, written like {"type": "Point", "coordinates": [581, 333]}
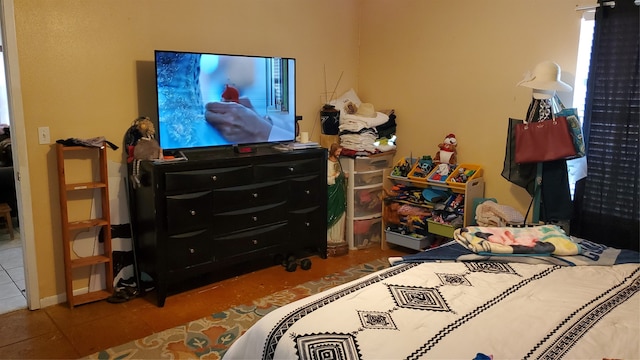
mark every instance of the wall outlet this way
{"type": "Point", "coordinates": [43, 135]}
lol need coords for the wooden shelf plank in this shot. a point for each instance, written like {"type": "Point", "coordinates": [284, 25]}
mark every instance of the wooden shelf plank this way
{"type": "Point", "coordinates": [85, 185]}
{"type": "Point", "coordinates": [90, 297]}
{"type": "Point", "coordinates": [89, 260]}
{"type": "Point", "coordinates": [78, 148]}
{"type": "Point", "coordinates": [86, 224]}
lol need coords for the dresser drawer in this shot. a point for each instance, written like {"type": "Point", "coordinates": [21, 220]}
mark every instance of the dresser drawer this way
{"type": "Point", "coordinates": [189, 250]}
{"type": "Point", "coordinates": [247, 196]}
{"type": "Point", "coordinates": [195, 180]}
{"type": "Point", "coordinates": [287, 169]}
{"type": "Point", "coordinates": [244, 243]}
{"type": "Point", "coordinates": [231, 221]}
{"type": "Point", "coordinates": [186, 212]}
{"type": "Point", "coordinates": [307, 191]}
{"type": "Point", "coordinates": [307, 223]}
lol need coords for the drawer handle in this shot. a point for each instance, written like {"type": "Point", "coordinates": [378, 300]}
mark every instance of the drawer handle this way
{"type": "Point", "coordinates": [308, 224]}
{"type": "Point", "coordinates": [255, 195]}
{"type": "Point", "coordinates": [192, 212]}
{"type": "Point", "coordinates": [254, 218]}
{"type": "Point", "coordinates": [191, 250]}
{"type": "Point", "coordinates": [254, 241]}
{"type": "Point", "coordinates": [214, 178]}
{"type": "Point", "coordinates": [291, 169]}
{"type": "Point", "coordinates": [307, 192]}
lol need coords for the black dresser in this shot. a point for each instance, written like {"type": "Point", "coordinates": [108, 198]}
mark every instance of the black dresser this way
{"type": "Point", "coordinates": [220, 209]}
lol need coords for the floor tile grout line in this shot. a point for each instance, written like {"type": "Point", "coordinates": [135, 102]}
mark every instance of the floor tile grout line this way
{"type": "Point", "coordinates": [23, 293]}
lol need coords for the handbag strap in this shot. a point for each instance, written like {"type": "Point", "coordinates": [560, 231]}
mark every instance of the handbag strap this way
{"type": "Point", "coordinates": [535, 107]}
{"type": "Point", "coordinates": [532, 110]}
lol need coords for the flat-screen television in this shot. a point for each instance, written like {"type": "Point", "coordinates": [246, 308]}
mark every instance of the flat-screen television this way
{"type": "Point", "coordinates": [210, 100]}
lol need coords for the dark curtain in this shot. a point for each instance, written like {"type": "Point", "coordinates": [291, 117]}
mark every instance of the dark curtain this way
{"type": "Point", "coordinates": [607, 204]}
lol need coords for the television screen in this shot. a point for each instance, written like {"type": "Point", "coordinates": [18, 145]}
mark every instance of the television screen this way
{"type": "Point", "coordinates": [208, 100]}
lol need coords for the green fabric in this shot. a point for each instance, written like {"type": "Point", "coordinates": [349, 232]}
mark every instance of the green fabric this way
{"type": "Point", "coordinates": [337, 202]}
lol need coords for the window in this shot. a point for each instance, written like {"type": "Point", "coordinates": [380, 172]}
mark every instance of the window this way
{"type": "Point", "coordinates": [577, 168]}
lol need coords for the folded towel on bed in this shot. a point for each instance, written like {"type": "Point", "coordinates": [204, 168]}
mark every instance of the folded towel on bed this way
{"type": "Point", "coordinates": [539, 240]}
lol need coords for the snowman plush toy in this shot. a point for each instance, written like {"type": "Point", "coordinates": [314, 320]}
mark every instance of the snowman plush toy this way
{"type": "Point", "coordinates": [447, 153]}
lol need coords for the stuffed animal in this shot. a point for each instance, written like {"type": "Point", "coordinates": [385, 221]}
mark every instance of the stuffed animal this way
{"type": "Point", "coordinates": [447, 152]}
{"type": "Point", "coordinates": [145, 148]}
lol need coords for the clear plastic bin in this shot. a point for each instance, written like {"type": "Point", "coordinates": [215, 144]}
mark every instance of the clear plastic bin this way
{"type": "Point", "coordinates": [367, 201]}
{"type": "Point", "coordinates": [368, 178]}
{"type": "Point", "coordinates": [366, 233]}
{"type": "Point", "coordinates": [374, 162]}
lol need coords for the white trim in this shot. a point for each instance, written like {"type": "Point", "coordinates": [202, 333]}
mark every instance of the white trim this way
{"type": "Point", "coordinates": [20, 157]}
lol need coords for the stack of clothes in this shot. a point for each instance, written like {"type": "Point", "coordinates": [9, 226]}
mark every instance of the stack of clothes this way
{"type": "Point", "coordinates": [363, 130]}
{"type": "Point", "coordinates": [490, 213]}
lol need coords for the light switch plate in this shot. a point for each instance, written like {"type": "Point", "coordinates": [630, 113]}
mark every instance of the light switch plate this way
{"type": "Point", "coordinates": [43, 135]}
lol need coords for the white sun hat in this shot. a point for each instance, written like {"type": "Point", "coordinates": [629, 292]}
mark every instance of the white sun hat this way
{"type": "Point", "coordinates": [366, 110]}
{"type": "Point", "coordinates": [545, 76]}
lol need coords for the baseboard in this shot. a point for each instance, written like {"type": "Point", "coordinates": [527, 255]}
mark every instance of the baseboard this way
{"type": "Point", "coordinates": [60, 298]}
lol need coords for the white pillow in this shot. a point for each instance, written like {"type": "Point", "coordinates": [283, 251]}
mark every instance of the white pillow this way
{"type": "Point", "coordinates": [349, 96]}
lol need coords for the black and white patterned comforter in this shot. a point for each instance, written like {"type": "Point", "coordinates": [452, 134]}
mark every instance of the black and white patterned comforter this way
{"type": "Point", "coordinates": [460, 310]}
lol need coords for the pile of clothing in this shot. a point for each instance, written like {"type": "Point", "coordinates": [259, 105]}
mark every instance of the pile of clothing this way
{"type": "Point", "coordinates": [490, 213]}
{"type": "Point", "coordinates": [363, 130]}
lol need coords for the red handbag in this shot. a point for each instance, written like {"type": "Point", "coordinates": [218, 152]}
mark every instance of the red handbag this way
{"type": "Point", "coordinates": [546, 140]}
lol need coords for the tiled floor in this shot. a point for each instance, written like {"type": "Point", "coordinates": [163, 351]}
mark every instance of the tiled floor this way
{"type": "Point", "coordinates": [12, 285]}
{"type": "Point", "coordinates": [62, 333]}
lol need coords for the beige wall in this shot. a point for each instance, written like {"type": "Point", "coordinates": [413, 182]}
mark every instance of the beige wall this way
{"type": "Point", "coordinates": [445, 66]}
{"type": "Point", "coordinates": [452, 67]}
{"type": "Point", "coordinates": [87, 70]}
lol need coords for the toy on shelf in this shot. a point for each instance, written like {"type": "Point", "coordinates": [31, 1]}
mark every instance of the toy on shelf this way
{"type": "Point", "coordinates": [448, 150]}
{"type": "Point", "coordinates": [403, 167]}
{"type": "Point", "coordinates": [441, 172]}
{"type": "Point", "coordinates": [421, 169]}
{"type": "Point", "coordinates": [462, 175]}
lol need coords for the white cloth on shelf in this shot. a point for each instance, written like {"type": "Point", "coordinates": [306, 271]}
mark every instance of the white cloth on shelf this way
{"type": "Point", "coordinates": [357, 122]}
{"type": "Point", "coordinates": [359, 141]}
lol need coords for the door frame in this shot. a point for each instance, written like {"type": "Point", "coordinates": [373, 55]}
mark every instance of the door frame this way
{"type": "Point", "coordinates": [20, 156]}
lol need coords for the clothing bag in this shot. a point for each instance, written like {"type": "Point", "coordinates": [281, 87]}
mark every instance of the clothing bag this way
{"type": "Point", "coordinates": [575, 128]}
{"type": "Point", "coordinates": [544, 141]}
{"type": "Point", "coordinates": [522, 175]}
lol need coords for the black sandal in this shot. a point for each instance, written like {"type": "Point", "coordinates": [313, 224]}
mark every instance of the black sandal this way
{"type": "Point", "coordinates": [123, 295]}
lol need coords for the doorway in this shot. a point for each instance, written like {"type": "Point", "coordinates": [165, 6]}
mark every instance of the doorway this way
{"type": "Point", "coordinates": [19, 262]}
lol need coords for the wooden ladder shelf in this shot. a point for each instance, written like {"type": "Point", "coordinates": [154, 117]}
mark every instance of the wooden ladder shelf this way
{"type": "Point", "coordinates": [69, 227]}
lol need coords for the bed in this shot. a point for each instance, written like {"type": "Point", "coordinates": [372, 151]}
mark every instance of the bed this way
{"type": "Point", "coordinates": [455, 302]}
